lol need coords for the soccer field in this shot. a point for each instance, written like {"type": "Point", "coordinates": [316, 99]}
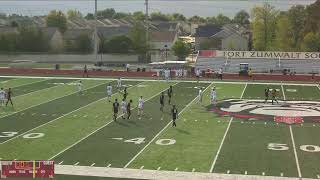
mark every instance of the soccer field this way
{"type": "Point", "coordinates": [240, 134]}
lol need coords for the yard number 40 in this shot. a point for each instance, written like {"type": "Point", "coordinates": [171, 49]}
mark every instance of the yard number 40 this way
{"type": "Point", "coordinates": [285, 147]}
{"type": "Point", "coordinates": [141, 140]}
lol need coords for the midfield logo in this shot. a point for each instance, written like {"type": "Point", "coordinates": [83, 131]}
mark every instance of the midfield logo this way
{"type": "Point", "coordinates": [290, 112]}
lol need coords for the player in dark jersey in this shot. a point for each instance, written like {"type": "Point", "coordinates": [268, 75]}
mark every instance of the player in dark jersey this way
{"type": "Point", "coordinates": [9, 97]}
{"type": "Point", "coordinates": [170, 92]}
{"type": "Point", "coordinates": [85, 71]}
{"type": "Point", "coordinates": [125, 93]}
{"type": "Point", "coordinates": [161, 102]}
{"type": "Point", "coordinates": [129, 109]}
{"type": "Point", "coordinates": [266, 94]}
{"type": "Point", "coordinates": [174, 113]}
{"type": "Point", "coordinates": [115, 106]}
{"type": "Point", "coordinates": [274, 96]}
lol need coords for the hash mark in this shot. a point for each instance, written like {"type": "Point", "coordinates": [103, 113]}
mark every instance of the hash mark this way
{"type": "Point", "coordinates": [193, 169]}
{"type": "Point", "coordinates": [76, 163]}
{"type": "Point", "coordinates": [228, 172]}
{"type": "Point", "coordinates": [141, 167]}
{"type": "Point", "coordinates": [109, 165]}
{"type": "Point", "coordinates": [60, 162]}
{"type": "Point", "coordinates": [281, 174]}
{"type": "Point", "coordinates": [246, 172]}
{"type": "Point", "coordinates": [263, 173]}
{"type": "Point", "coordinates": [44, 114]}
{"type": "Point", "coordinates": [92, 164]}
{"type": "Point", "coordinates": [158, 168]}
{"type": "Point", "coordinates": [176, 169]}
{"type": "Point", "coordinates": [318, 176]}
{"type": "Point", "coordinates": [85, 116]}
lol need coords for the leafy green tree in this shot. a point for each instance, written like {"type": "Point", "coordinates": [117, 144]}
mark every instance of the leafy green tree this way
{"type": "Point", "coordinates": [84, 44]}
{"type": "Point", "coordinates": [242, 18]}
{"type": "Point", "coordinates": [197, 19]}
{"type": "Point", "coordinates": [137, 35]}
{"type": "Point", "coordinates": [118, 44]}
{"type": "Point", "coordinates": [158, 16]}
{"type": "Point", "coordinates": [311, 42]}
{"type": "Point", "coordinates": [222, 19]}
{"type": "Point", "coordinates": [284, 40]}
{"type": "Point", "coordinates": [297, 17]}
{"type": "Point", "coordinates": [89, 16]}
{"type": "Point", "coordinates": [211, 20]}
{"type": "Point", "coordinates": [3, 16]}
{"type": "Point", "coordinates": [106, 13]}
{"type": "Point", "coordinates": [57, 19]}
{"type": "Point", "coordinates": [9, 42]}
{"type": "Point", "coordinates": [74, 14]}
{"type": "Point", "coordinates": [14, 24]}
{"type": "Point", "coordinates": [32, 40]}
{"type": "Point", "coordinates": [181, 49]}
{"type": "Point", "coordinates": [263, 26]}
{"type": "Point", "coordinates": [139, 16]}
{"type": "Point", "coordinates": [121, 15]}
{"type": "Point", "coordinates": [313, 16]}
{"type": "Point", "coordinates": [178, 17]}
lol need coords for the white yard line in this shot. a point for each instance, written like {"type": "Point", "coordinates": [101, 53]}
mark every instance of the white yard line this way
{"type": "Point", "coordinates": [224, 136]}
{"type": "Point", "coordinates": [154, 80]}
{"type": "Point", "coordinates": [100, 128]}
{"type": "Point", "coordinates": [295, 152]}
{"type": "Point", "coordinates": [49, 122]}
{"type": "Point", "coordinates": [162, 130]}
{"type": "Point", "coordinates": [44, 102]}
{"type": "Point", "coordinates": [44, 79]}
{"type": "Point", "coordinates": [154, 174]}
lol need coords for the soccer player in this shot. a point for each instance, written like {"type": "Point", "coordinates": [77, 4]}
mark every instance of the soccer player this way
{"type": "Point", "coordinates": [2, 96]}
{"type": "Point", "coordinates": [109, 92]}
{"type": "Point", "coordinates": [85, 71]}
{"type": "Point", "coordinates": [200, 95]}
{"type": "Point", "coordinates": [174, 113]}
{"type": "Point", "coordinates": [140, 106]}
{"type": "Point", "coordinates": [125, 93]}
{"type": "Point", "coordinates": [169, 92]}
{"type": "Point", "coordinates": [129, 109]}
{"type": "Point", "coordinates": [80, 87]}
{"type": "Point", "coordinates": [119, 83]}
{"type": "Point", "coordinates": [274, 96]}
{"type": "Point", "coordinates": [266, 94]}
{"type": "Point", "coordinates": [220, 72]}
{"type": "Point", "coordinates": [115, 109]}
{"type": "Point", "coordinates": [161, 102]}
{"type": "Point", "coordinates": [167, 74]}
{"type": "Point", "coordinates": [198, 74]}
{"type": "Point", "coordinates": [123, 108]}
{"type": "Point", "coordinates": [9, 97]}
{"type": "Point", "coordinates": [213, 95]}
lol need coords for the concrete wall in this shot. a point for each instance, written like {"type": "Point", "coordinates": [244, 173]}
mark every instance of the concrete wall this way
{"type": "Point", "coordinates": [69, 58]}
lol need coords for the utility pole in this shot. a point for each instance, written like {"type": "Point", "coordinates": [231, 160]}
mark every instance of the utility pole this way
{"type": "Point", "coordinates": [95, 29]}
{"type": "Point", "coordinates": [147, 27]}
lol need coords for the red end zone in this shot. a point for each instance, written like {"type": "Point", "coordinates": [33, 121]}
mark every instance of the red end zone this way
{"type": "Point", "coordinates": [288, 120]}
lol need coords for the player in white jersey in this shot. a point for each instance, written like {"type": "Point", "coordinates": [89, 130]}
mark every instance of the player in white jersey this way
{"type": "Point", "coordinates": [79, 87]}
{"type": "Point", "coordinates": [123, 108]}
{"type": "Point", "coordinates": [2, 96]}
{"type": "Point", "coordinates": [109, 92]}
{"type": "Point", "coordinates": [119, 83]}
{"type": "Point", "coordinates": [200, 95]}
{"type": "Point", "coordinates": [167, 74]}
{"type": "Point", "coordinates": [140, 106]}
{"type": "Point", "coordinates": [213, 95]}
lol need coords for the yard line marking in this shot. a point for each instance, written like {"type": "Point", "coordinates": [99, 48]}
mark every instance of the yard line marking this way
{"type": "Point", "coordinates": [225, 135]}
{"type": "Point", "coordinates": [158, 169]}
{"type": "Point", "coordinates": [141, 167]}
{"type": "Point", "coordinates": [49, 122]}
{"type": "Point", "coordinates": [176, 169]}
{"type": "Point", "coordinates": [193, 169]}
{"type": "Point", "coordinates": [60, 162]}
{"type": "Point", "coordinates": [85, 137]}
{"type": "Point", "coordinates": [163, 129]}
{"type": "Point", "coordinates": [92, 164]}
{"type": "Point", "coordinates": [228, 172]}
{"type": "Point", "coordinates": [15, 159]}
{"type": "Point", "coordinates": [283, 94]}
{"type": "Point", "coordinates": [109, 165]}
{"type": "Point", "coordinates": [76, 163]}
{"type": "Point", "coordinates": [157, 80]}
{"type": "Point", "coordinates": [44, 102]}
{"type": "Point", "coordinates": [295, 152]}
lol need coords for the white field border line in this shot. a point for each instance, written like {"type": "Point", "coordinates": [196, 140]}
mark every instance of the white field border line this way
{"type": "Point", "coordinates": [44, 79]}
{"type": "Point", "coordinates": [295, 152]}
{"type": "Point", "coordinates": [224, 136]}
{"type": "Point", "coordinates": [139, 79]}
{"type": "Point", "coordinates": [49, 122]}
{"type": "Point", "coordinates": [44, 102]}
{"type": "Point", "coordinates": [283, 93]}
{"type": "Point", "coordinates": [93, 132]}
{"type": "Point", "coordinates": [162, 130]}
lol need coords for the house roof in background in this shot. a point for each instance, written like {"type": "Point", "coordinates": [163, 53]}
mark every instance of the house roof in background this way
{"type": "Point", "coordinates": [72, 34]}
{"type": "Point", "coordinates": [108, 32]}
{"type": "Point", "coordinates": [163, 36]}
{"type": "Point", "coordinates": [207, 30]}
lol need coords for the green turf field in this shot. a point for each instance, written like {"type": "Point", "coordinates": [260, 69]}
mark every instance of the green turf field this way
{"type": "Point", "coordinates": [240, 134]}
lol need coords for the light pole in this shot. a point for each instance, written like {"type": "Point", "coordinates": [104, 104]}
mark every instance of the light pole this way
{"type": "Point", "coordinates": [166, 51]}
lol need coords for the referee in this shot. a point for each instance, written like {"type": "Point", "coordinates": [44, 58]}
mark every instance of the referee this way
{"type": "Point", "coordinates": [174, 113]}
